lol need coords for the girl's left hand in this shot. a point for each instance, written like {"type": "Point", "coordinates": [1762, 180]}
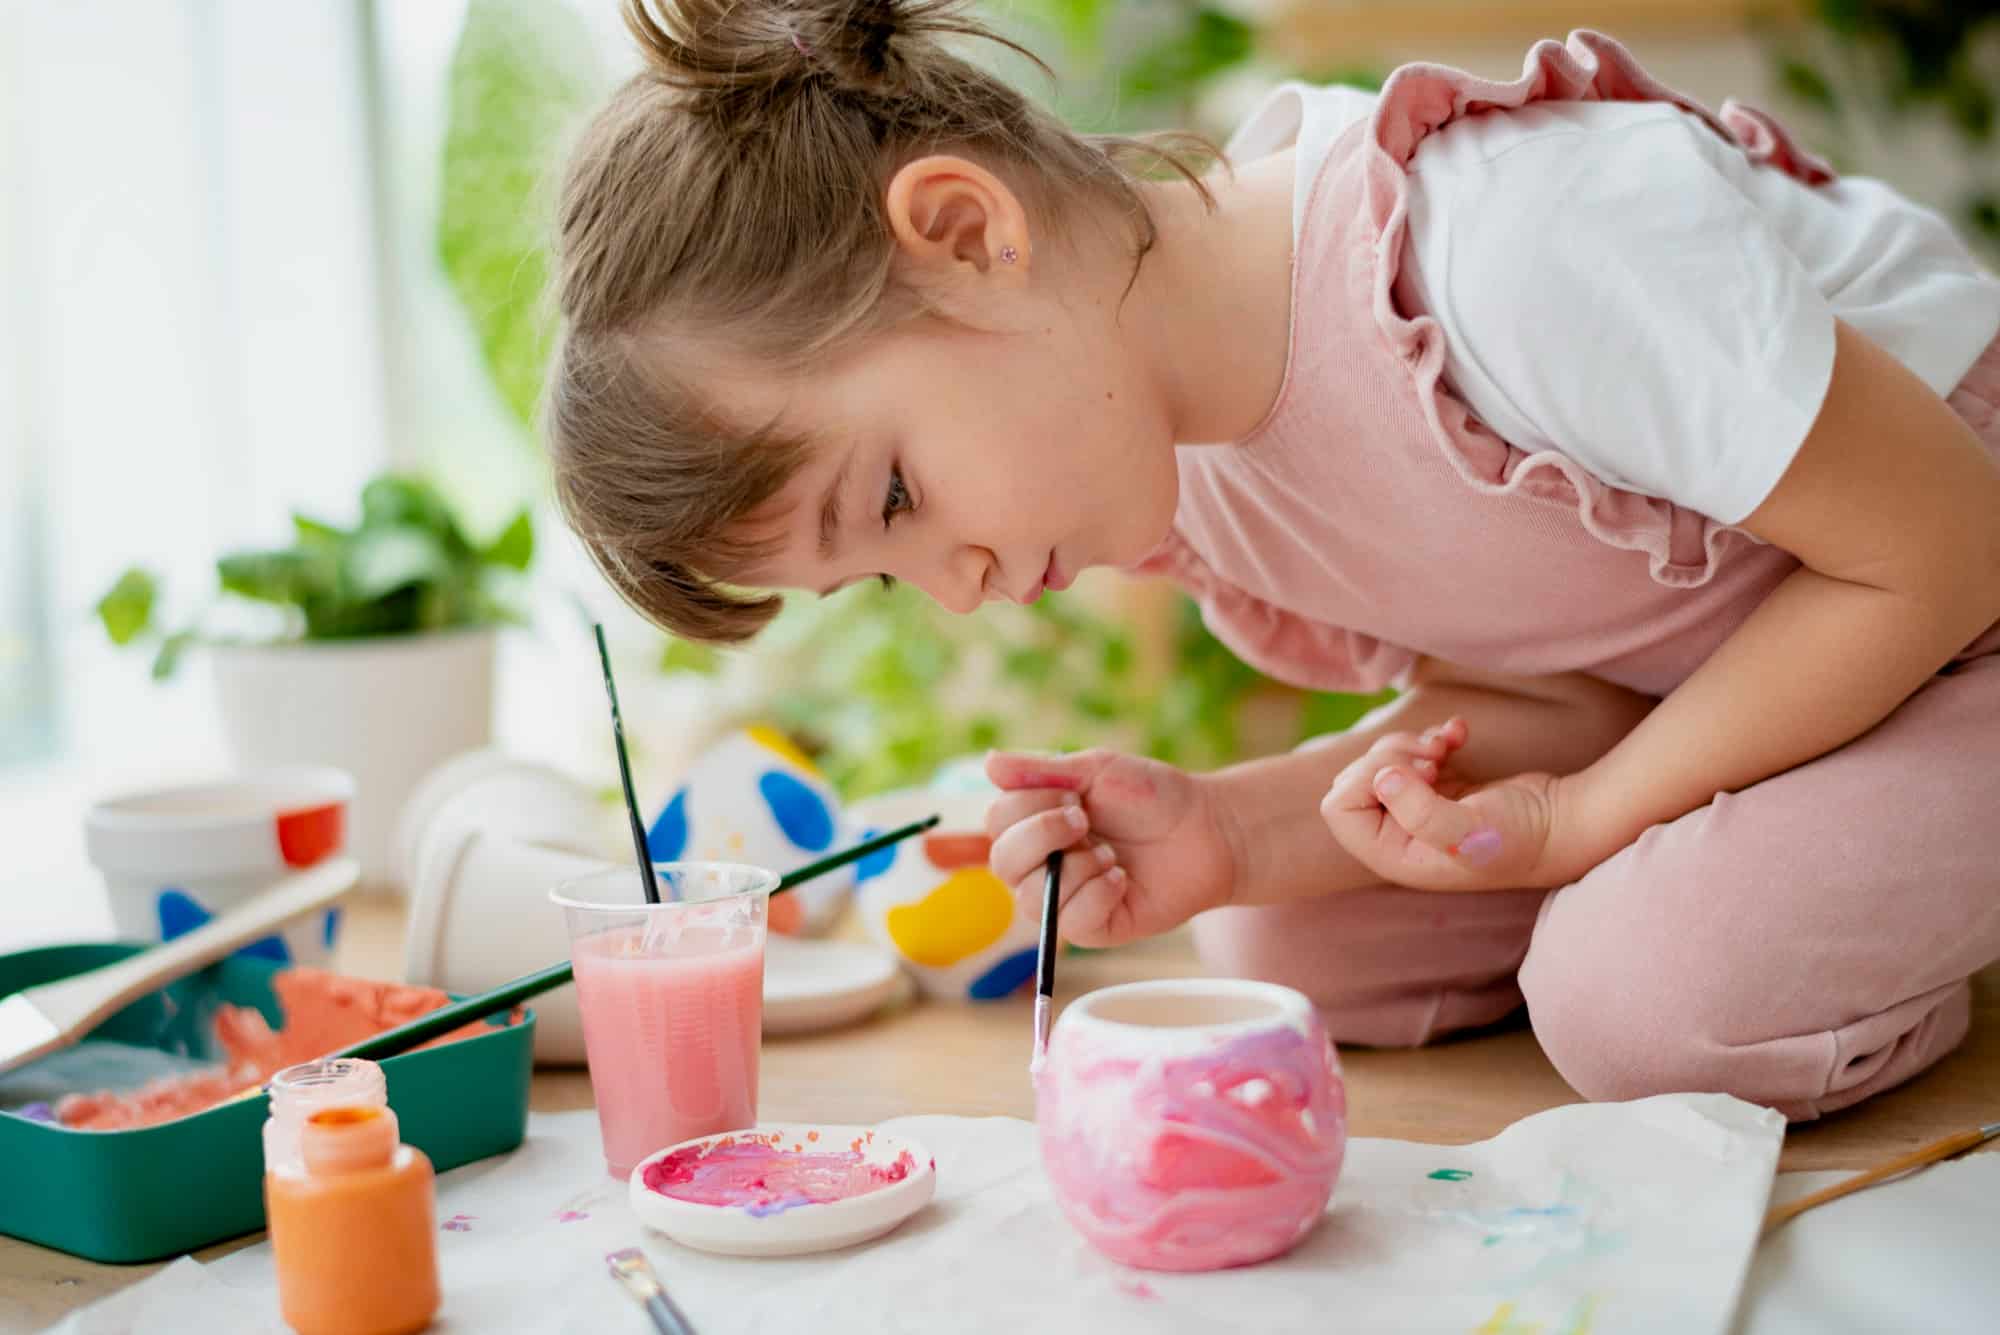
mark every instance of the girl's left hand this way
{"type": "Point", "coordinates": [1407, 818]}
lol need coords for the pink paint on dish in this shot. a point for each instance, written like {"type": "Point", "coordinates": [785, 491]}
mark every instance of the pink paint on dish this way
{"type": "Point", "coordinates": [1192, 1124]}
{"type": "Point", "coordinates": [761, 1175]}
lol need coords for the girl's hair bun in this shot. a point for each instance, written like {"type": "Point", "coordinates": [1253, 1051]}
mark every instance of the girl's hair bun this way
{"type": "Point", "coordinates": [729, 48]}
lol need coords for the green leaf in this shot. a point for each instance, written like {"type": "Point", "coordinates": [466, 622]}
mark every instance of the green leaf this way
{"type": "Point", "coordinates": [523, 70]}
{"type": "Point", "coordinates": [398, 501]}
{"type": "Point", "coordinates": [1174, 67]}
{"type": "Point", "coordinates": [1115, 658]}
{"type": "Point", "coordinates": [1081, 23]}
{"type": "Point", "coordinates": [1982, 214]}
{"type": "Point", "coordinates": [287, 577]}
{"type": "Point", "coordinates": [314, 533]}
{"type": "Point", "coordinates": [515, 547]}
{"type": "Point", "coordinates": [1325, 713]}
{"type": "Point", "coordinates": [127, 608]}
{"type": "Point", "coordinates": [1028, 664]}
{"type": "Point", "coordinates": [1807, 84]}
{"type": "Point", "coordinates": [381, 560]}
{"type": "Point", "coordinates": [1969, 103]}
{"type": "Point", "coordinates": [690, 656]}
{"type": "Point", "coordinates": [168, 660]}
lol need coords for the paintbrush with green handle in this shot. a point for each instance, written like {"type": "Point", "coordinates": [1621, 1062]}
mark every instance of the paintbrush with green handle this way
{"type": "Point", "coordinates": [509, 995]}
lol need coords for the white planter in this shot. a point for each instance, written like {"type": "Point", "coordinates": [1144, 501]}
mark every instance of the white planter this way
{"type": "Point", "coordinates": [388, 710]}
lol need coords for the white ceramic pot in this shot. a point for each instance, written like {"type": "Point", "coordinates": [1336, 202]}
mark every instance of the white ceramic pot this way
{"type": "Point", "coordinates": [1191, 1124]}
{"type": "Point", "coordinates": [387, 710]}
{"type": "Point", "coordinates": [172, 858]}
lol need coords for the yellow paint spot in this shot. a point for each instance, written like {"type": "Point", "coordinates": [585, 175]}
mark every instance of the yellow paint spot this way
{"type": "Point", "coordinates": [1586, 1309]}
{"type": "Point", "coordinates": [735, 842]}
{"type": "Point", "coordinates": [966, 913]}
{"type": "Point", "coordinates": [1502, 1322]}
{"type": "Point", "coordinates": [772, 740]}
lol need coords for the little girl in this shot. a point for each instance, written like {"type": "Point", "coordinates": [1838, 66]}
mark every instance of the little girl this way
{"type": "Point", "coordinates": [1654, 464]}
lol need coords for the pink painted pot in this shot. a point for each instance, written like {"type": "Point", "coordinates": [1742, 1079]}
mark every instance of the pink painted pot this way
{"type": "Point", "coordinates": [1192, 1124]}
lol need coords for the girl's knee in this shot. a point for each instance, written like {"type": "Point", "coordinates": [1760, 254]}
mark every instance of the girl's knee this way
{"type": "Point", "coordinates": [1368, 989]}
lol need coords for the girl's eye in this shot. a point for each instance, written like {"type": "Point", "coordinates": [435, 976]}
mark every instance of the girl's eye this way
{"type": "Point", "coordinates": [898, 499]}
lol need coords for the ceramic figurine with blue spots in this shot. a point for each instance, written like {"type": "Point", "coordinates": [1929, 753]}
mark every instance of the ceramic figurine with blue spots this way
{"type": "Point", "coordinates": [755, 797]}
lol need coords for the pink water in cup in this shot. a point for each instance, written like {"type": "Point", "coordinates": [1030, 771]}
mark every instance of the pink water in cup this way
{"type": "Point", "coordinates": [672, 999]}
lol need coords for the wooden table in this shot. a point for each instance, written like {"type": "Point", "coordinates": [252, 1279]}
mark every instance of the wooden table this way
{"type": "Point", "coordinates": [971, 1060]}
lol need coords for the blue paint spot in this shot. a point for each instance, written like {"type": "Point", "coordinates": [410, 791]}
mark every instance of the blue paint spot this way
{"type": "Point", "coordinates": [799, 811]}
{"type": "Point", "coordinates": [668, 839]}
{"type": "Point", "coordinates": [272, 948]}
{"type": "Point", "coordinates": [180, 914]}
{"type": "Point", "coordinates": [875, 863]}
{"type": "Point", "coordinates": [329, 928]}
{"type": "Point", "coordinates": [1004, 977]}
{"type": "Point", "coordinates": [777, 1205]}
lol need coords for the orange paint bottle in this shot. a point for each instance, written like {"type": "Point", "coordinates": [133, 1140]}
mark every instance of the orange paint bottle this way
{"type": "Point", "coordinates": [353, 1225]}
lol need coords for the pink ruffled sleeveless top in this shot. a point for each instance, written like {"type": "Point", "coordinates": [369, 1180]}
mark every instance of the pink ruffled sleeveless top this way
{"type": "Point", "coordinates": [1370, 519]}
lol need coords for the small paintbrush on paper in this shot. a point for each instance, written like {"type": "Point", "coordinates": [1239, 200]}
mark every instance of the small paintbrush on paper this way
{"type": "Point", "coordinates": [629, 1267]}
{"type": "Point", "coordinates": [1916, 1158]}
{"type": "Point", "coordinates": [1045, 962]}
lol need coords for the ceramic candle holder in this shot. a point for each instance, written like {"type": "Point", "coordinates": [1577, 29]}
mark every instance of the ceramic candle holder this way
{"type": "Point", "coordinates": [1192, 1124]}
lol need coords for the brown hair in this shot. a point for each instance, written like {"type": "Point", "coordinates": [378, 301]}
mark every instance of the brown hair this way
{"type": "Point", "coordinates": [734, 188]}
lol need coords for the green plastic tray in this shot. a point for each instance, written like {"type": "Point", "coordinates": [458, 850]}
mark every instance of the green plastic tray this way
{"type": "Point", "coordinates": [129, 1196]}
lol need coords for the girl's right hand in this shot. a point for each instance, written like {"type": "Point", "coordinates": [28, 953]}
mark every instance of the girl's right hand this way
{"type": "Point", "coordinates": [1146, 846]}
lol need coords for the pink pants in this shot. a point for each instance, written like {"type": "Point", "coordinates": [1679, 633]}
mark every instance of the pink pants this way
{"type": "Point", "coordinates": [1803, 943]}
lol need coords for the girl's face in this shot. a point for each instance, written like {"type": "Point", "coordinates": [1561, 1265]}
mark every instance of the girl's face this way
{"type": "Point", "coordinates": [990, 457]}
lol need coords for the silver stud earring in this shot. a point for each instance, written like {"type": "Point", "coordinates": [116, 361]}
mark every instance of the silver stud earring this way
{"type": "Point", "coordinates": [1008, 254]}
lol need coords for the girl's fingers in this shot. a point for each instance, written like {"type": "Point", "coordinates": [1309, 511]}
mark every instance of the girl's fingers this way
{"type": "Point", "coordinates": [1010, 809]}
{"type": "Point", "coordinates": [1425, 753]}
{"type": "Point", "coordinates": [1023, 847]}
{"type": "Point", "coordinates": [1428, 816]}
{"type": "Point", "coordinates": [1081, 865]}
{"type": "Point", "coordinates": [1451, 733]}
{"type": "Point", "coordinates": [1088, 914]}
{"type": "Point", "coordinates": [1015, 770]}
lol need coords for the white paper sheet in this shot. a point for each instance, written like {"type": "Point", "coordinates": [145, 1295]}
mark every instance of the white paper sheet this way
{"type": "Point", "coordinates": [1604, 1218]}
{"type": "Point", "coordinates": [1918, 1254]}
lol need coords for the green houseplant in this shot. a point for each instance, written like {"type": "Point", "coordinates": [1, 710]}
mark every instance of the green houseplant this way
{"type": "Point", "coordinates": [369, 647]}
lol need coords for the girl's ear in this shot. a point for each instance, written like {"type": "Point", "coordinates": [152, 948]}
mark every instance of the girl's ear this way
{"type": "Point", "coordinates": [954, 219]}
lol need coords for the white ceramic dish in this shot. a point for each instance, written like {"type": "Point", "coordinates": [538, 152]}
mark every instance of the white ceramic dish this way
{"type": "Point", "coordinates": [814, 985]}
{"type": "Point", "coordinates": [734, 1231]}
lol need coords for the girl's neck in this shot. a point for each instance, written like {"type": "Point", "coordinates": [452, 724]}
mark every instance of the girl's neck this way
{"type": "Point", "coordinates": [1210, 314]}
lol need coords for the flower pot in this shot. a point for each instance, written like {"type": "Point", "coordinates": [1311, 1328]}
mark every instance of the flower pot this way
{"type": "Point", "coordinates": [1191, 1124]}
{"type": "Point", "coordinates": [387, 710]}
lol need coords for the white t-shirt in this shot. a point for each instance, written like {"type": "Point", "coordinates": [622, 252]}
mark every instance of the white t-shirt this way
{"type": "Point", "coordinates": [1617, 282]}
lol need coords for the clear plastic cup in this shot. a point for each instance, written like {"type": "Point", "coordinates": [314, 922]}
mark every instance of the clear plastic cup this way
{"type": "Point", "coordinates": [672, 997]}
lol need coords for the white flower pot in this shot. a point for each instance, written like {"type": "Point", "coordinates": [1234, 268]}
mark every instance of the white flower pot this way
{"type": "Point", "coordinates": [388, 710]}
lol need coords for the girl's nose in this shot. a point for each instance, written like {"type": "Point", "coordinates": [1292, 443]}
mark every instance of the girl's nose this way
{"type": "Point", "coordinates": [959, 582]}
